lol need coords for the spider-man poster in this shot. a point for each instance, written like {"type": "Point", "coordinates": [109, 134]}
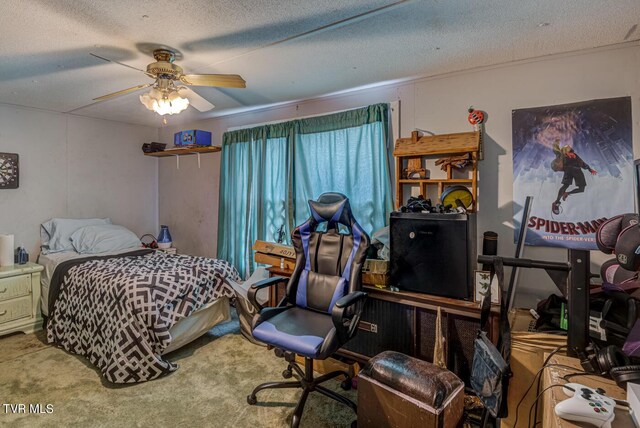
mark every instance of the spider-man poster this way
{"type": "Point", "coordinates": [576, 160]}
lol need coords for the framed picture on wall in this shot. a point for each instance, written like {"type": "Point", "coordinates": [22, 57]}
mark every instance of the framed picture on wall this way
{"type": "Point", "coordinates": [482, 282]}
{"type": "Point", "coordinates": [570, 157]}
{"type": "Point", "coordinates": [9, 172]}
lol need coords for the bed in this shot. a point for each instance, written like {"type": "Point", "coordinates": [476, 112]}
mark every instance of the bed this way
{"type": "Point", "coordinates": [124, 310]}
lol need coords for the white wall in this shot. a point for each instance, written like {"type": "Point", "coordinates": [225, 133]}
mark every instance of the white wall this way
{"type": "Point", "coordinates": [76, 167]}
{"type": "Point", "coordinates": [188, 197]}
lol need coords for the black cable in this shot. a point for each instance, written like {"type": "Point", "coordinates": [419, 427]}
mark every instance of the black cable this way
{"type": "Point", "coordinates": [535, 402]}
{"type": "Point", "coordinates": [535, 419]}
{"type": "Point", "coordinates": [570, 375]}
{"type": "Point", "coordinates": [544, 364]}
{"type": "Point", "coordinates": [554, 352]}
{"type": "Point", "coordinates": [561, 366]}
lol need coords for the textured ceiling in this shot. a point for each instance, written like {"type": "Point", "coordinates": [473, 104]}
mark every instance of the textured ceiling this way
{"type": "Point", "coordinates": [285, 50]}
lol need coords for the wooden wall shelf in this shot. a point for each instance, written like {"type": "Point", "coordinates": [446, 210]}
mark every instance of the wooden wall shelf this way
{"type": "Point", "coordinates": [185, 151]}
{"type": "Point", "coordinates": [410, 154]}
{"type": "Point", "coordinates": [444, 144]}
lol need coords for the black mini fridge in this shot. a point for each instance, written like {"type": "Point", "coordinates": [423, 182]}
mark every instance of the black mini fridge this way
{"type": "Point", "coordinates": [433, 253]}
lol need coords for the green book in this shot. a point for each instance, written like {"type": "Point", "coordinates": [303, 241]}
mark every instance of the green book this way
{"type": "Point", "coordinates": [564, 321]}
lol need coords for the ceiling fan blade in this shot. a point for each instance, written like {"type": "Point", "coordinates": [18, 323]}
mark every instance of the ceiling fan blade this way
{"type": "Point", "coordinates": [195, 100]}
{"type": "Point", "coordinates": [220, 80]}
{"type": "Point", "coordinates": [122, 92]}
{"type": "Point", "coordinates": [123, 64]}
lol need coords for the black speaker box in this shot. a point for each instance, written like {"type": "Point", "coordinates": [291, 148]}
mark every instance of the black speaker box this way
{"type": "Point", "coordinates": [411, 330]}
{"type": "Point", "coordinates": [433, 253]}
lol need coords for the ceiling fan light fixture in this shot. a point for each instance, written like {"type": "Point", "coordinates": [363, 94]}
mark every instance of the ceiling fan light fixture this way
{"type": "Point", "coordinates": [164, 97]}
{"type": "Point", "coordinates": [164, 102]}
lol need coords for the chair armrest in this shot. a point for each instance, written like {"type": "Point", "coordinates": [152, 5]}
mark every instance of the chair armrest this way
{"type": "Point", "coordinates": [346, 314]}
{"type": "Point", "coordinates": [253, 290]}
{"type": "Point", "coordinates": [350, 299]}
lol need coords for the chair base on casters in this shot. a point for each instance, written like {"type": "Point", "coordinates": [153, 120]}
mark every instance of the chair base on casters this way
{"type": "Point", "coordinates": [307, 383]}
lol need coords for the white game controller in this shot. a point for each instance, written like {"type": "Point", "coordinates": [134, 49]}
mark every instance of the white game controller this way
{"type": "Point", "coordinates": [586, 405]}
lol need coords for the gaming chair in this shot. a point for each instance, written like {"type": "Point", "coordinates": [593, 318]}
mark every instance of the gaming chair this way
{"type": "Point", "coordinates": [323, 302]}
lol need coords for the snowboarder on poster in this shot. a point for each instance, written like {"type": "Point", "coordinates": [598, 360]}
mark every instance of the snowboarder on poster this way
{"type": "Point", "coordinates": [571, 164]}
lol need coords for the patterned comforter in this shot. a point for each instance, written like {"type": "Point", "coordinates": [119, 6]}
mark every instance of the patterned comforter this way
{"type": "Point", "coordinates": [117, 311]}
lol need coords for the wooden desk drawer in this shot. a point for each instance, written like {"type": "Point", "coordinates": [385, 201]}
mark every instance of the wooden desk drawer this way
{"type": "Point", "coordinates": [15, 309]}
{"type": "Point", "coordinates": [15, 286]}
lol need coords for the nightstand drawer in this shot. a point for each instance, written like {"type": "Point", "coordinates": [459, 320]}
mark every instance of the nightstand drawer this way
{"type": "Point", "coordinates": [15, 309]}
{"type": "Point", "coordinates": [15, 286]}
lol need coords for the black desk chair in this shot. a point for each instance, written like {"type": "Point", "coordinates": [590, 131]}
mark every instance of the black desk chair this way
{"type": "Point", "coordinates": [323, 302]}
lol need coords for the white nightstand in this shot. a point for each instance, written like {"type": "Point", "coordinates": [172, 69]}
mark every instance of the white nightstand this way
{"type": "Point", "coordinates": [171, 250]}
{"type": "Point", "coordinates": [20, 298]}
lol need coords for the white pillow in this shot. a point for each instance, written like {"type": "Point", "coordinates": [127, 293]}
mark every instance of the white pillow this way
{"type": "Point", "coordinates": [104, 238]}
{"type": "Point", "coordinates": [55, 234]}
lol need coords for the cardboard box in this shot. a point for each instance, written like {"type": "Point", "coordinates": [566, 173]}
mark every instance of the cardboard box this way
{"type": "Point", "coordinates": [528, 350]}
{"type": "Point", "coordinates": [375, 272]}
{"type": "Point", "coordinates": [376, 266]}
{"type": "Point", "coordinates": [272, 248]}
{"type": "Point", "coordinates": [269, 259]}
{"type": "Point", "coordinates": [375, 278]}
{"type": "Point", "coordinates": [192, 137]}
{"type": "Point", "coordinates": [554, 376]}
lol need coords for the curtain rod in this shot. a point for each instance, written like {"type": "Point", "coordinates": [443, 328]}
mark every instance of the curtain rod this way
{"type": "Point", "coordinates": [236, 128]}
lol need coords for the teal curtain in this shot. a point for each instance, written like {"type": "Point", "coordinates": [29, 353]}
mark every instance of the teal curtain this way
{"type": "Point", "coordinates": [235, 185]}
{"type": "Point", "coordinates": [347, 153]}
{"type": "Point", "coordinates": [269, 173]}
{"type": "Point", "coordinates": [254, 176]}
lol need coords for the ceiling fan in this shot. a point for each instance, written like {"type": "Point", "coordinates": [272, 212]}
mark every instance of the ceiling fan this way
{"type": "Point", "coordinates": [165, 96]}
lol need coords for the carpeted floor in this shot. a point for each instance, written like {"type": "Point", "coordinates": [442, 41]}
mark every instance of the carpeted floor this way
{"type": "Point", "coordinates": [209, 389]}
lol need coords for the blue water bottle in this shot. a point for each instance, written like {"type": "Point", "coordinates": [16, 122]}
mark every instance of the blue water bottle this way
{"type": "Point", "coordinates": [21, 257]}
{"type": "Point", "coordinates": [164, 238]}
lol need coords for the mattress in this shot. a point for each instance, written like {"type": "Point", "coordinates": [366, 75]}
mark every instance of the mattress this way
{"type": "Point", "coordinates": [123, 311]}
{"type": "Point", "coordinates": [51, 261]}
{"type": "Point", "coordinates": [183, 332]}
{"type": "Point", "coordinates": [198, 323]}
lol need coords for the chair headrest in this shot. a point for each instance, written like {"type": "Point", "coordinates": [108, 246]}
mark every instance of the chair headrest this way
{"type": "Point", "coordinates": [608, 232]}
{"type": "Point", "coordinates": [333, 208]}
{"type": "Point", "coordinates": [628, 248]}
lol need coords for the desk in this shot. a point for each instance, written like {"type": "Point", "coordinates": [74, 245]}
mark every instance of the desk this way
{"type": "Point", "coordinates": [405, 322]}
{"type": "Point", "coordinates": [553, 376]}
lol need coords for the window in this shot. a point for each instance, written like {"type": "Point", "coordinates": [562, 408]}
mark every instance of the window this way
{"type": "Point", "coordinates": [268, 174]}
